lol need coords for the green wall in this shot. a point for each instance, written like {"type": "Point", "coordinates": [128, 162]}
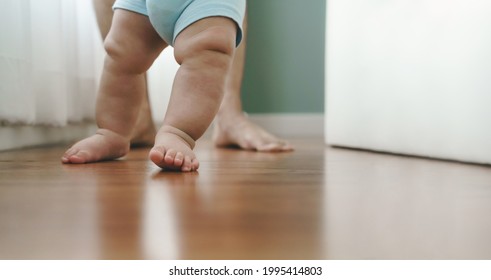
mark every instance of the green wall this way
{"type": "Point", "coordinates": [284, 70]}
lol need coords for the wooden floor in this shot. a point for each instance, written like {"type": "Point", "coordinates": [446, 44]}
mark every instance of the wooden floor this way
{"type": "Point", "coordinates": [314, 203]}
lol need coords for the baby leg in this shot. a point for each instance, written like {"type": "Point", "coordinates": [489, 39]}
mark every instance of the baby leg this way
{"type": "Point", "coordinates": [204, 50]}
{"type": "Point", "coordinates": [144, 131]}
{"type": "Point", "coordinates": [132, 45]}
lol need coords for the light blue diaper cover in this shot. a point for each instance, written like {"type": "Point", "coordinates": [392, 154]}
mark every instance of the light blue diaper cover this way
{"type": "Point", "coordinates": [170, 17]}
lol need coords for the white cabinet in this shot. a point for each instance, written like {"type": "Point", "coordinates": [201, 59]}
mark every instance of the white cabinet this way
{"type": "Point", "coordinates": [410, 77]}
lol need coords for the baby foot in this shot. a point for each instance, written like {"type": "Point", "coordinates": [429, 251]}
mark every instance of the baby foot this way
{"type": "Point", "coordinates": [173, 150]}
{"type": "Point", "coordinates": [240, 131]}
{"type": "Point", "coordinates": [104, 145]}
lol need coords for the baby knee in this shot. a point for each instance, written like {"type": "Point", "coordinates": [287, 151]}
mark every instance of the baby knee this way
{"type": "Point", "coordinates": [123, 58]}
{"type": "Point", "coordinates": [217, 41]}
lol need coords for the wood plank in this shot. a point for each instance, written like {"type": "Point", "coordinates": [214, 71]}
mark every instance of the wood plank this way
{"type": "Point", "coordinates": [315, 203]}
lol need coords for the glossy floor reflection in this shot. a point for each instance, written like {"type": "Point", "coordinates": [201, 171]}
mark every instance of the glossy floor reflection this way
{"type": "Point", "coordinates": [389, 207]}
{"type": "Point", "coordinates": [314, 203]}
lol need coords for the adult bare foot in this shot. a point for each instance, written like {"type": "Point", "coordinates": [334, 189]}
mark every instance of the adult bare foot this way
{"type": "Point", "coordinates": [104, 145]}
{"type": "Point", "coordinates": [144, 133]}
{"type": "Point", "coordinates": [144, 139]}
{"type": "Point", "coordinates": [242, 132]}
{"type": "Point", "coordinates": [173, 150]}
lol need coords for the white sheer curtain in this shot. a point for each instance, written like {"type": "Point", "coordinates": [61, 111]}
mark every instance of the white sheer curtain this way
{"type": "Point", "coordinates": [50, 60]}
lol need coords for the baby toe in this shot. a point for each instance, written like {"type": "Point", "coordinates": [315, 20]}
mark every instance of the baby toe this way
{"type": "Point", "coordinates": [194, 164]}
{"type": "Point", "coordinates": [157, 155]}
{"type": "Point", "coordinates": [179, 159]}
{"type": "Point", "coordinates": [170, 156]}
{"type": "Point", "coordinates": [66, 156]}
{"type": "Point", "coordinates": [186, 166]}
{"type": "Point", "coordinates": [79, 157]}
